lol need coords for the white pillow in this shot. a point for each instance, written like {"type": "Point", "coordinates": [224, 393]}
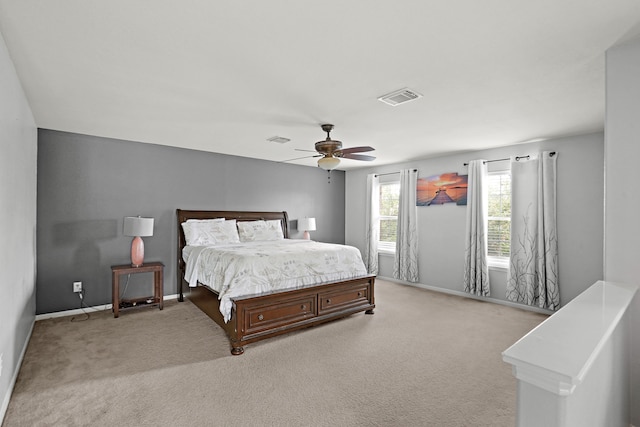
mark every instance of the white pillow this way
{"type": "Point", "coordinates": [260, 231]}
{"type": "Point", "coordinates": [201, 232]}
{"type": "Point", "coordinates": [225, 232]}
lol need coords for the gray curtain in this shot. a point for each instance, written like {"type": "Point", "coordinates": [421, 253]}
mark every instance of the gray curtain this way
{"type": "Point", "coordinates": [533, 272]}
{"type": "Point", "coordinates": [406, 258]}
{"type": "Point", "coordinates": [372, 221]}
{"type": "Point", "coordinates": [476, 270]}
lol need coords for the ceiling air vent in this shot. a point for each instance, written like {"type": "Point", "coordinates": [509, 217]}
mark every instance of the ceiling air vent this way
{"type": "Point", "coordinates": [399, 97]}
{"type": "Point", "coordinates": [278, 139]}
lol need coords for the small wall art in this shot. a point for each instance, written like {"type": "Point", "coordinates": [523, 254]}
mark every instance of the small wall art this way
{"type": "Point", "coordinates": [441, 189]}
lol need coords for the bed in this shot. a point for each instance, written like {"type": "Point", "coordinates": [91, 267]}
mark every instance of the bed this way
{"type": "Point", "coordinates": [261, 311]}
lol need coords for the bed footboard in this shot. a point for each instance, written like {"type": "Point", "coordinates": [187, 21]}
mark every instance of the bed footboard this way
{"type": "Point", "coordinates": [263, 316]}
{"type": "Point", "coordinates": [258, 317]}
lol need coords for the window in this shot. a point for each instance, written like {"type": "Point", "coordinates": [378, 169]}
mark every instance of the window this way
{"type": "Point", "coordinates": [389, 197]}
{"type": "Point", "coordinates": [499, 218]}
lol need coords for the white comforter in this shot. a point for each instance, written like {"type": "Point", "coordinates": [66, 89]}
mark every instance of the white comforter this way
{"type": "Point", "coordinates": [251, 268]}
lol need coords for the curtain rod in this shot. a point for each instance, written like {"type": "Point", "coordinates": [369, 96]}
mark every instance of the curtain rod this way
{"type": "Point", "coordinates": [390, 173]}
{"type": "Point", "coordinates": [517, 159]}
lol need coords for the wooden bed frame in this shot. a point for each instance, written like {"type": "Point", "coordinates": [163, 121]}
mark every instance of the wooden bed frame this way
{"type": "Point", "coordinates": [256, 317]}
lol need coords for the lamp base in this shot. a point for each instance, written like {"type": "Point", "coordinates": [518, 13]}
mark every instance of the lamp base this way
{"type": "Point", "coordinates": [137, 252]}
{"type": "Point", "coordinates": [306, 235]}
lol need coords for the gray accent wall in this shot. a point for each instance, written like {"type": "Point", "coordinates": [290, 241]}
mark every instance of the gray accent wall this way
{"type": "Point", "coordinates": [18, 145]}
{"type": "Point", "coordinates": [88, 184]}
{"type": "Point", "coordinates": [441, 228]}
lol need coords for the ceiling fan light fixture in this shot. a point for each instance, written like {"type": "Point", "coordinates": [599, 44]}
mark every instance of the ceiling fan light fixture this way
{"type": "Point", "coordinates": [328, 163]}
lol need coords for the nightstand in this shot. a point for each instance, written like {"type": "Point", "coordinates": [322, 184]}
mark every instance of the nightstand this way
{"type": "Point", "coordinates": [157, 268]}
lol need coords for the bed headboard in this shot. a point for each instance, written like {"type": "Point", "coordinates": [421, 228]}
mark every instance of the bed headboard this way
{"type": "Point", "coordinates": [183, 215]}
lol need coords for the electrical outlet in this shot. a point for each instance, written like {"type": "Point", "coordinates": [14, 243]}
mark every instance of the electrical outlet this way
{"type": "Point", "coordinates": [77, 286]}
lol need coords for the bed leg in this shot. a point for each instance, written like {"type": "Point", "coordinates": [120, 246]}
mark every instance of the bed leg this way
{"type": "Point", "coordinates": [237, 351]}
{"type": "Point", "coordinates": [180, 293]}
{"type": "Point", "coordinates": [370, 311]}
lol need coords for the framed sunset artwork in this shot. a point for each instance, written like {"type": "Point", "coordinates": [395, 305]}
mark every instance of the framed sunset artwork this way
{"type": "Point", "coordinates": [441, 189]}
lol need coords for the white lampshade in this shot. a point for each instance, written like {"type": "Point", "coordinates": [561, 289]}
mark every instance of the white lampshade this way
{"type": "Point", "coordinates": [307, 224]}
{"type": "Point", "coordinates": [328, 163]}
{"type": "Point", "coordinates": [138, 226]}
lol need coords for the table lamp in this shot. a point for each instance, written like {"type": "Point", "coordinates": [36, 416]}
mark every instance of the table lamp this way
{"type": "Point", "coordinates": [307, 224]}
{"type": "Point", "coordinates": [137, 227]}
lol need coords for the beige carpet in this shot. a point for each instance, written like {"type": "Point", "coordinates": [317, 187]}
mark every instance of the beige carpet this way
{"type": "Point", "coordinates": [424, 359]}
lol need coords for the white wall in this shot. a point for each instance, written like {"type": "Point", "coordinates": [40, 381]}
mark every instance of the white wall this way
{"type": "Point", "coordinates": [18, 146]}
{"type": "Point", "coordinates": [622, 205]}
{"type": "Point", "coordinates": [441, 228]}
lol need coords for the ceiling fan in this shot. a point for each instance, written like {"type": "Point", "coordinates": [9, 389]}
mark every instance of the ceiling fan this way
{"type": "Point", "coordinates": [331, 151]}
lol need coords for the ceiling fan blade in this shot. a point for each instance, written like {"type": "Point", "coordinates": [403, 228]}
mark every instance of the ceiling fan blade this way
{"type": "Point", "coordinates": [355, 150]}
{"type": "Point", "coordinates": [358, 157]}
{"type": "Point", "coordinates": [299, 158]}
{"type": "Point", "coordinates": [309, 151]}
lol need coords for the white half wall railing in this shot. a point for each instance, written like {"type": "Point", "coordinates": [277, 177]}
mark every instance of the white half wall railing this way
{"type": "Point", "coordinates": [573, 369]}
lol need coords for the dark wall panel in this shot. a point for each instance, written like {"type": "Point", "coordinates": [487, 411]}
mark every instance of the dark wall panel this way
{"type": "Point", "coordinates": [87, 185]}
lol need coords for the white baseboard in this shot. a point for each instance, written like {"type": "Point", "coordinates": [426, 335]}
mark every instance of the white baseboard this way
{"type": "Point", "coordinates": [14, 377]}
{"type": "Point", "coordinates": [78, 311]}
{"type": "Point", "coordinates": [466, 295]}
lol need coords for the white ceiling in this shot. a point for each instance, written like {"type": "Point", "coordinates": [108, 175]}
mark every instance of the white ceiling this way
{"type": "Point", "coordinates": [223, 76]}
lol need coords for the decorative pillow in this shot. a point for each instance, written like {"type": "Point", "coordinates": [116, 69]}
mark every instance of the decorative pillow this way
{"type": "Point", "coordinates": [200, 232]}
{"type": "Point", "coordinates": [260, 231]}
{"type": "Point", "coordinates": [225, 232]}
